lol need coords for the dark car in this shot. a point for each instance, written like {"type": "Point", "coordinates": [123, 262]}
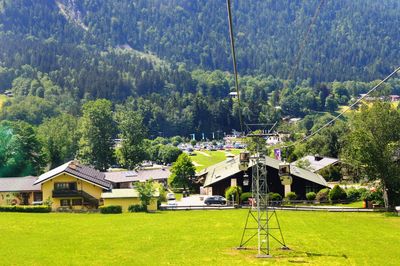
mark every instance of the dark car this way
{"type": "Point", "coordinates": [215, 200]}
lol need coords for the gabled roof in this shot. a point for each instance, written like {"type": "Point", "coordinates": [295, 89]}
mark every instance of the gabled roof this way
{"type": "Point", "coordinates": [225, 169]}
{"type": "Point", "coordinates": [139, 175]}
{"type": "Point", "coordinates": [317, 162]}
{"type": "Point", "coordinates": [18, 184]}
{"type": "Point", "coordinates": [83, 172]}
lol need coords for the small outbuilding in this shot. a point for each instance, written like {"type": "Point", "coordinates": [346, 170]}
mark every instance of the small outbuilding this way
{"type": "Point", "coordinates": [127, 197]}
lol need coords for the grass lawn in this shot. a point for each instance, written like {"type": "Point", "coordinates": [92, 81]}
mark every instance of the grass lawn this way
{"type": "Point", "coordinates": [3, 98]}
{"type": "Point", "coordinates": [204, 159]}
{"type": "Point", "coordinates": [194, 238]}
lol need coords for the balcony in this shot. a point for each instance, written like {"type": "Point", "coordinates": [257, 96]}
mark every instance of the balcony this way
{"type": "Point", "coordinates": [63, 193]}
{"type": "Point", "coordinates": [69, 193]}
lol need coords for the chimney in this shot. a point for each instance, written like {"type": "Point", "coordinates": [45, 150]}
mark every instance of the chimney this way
{"type": "Point", "coordinates": [318, 157]}
{"type": "Point", "coordinates": [72, 165]}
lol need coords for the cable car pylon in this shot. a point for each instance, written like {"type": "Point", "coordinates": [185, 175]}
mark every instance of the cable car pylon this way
{"type": "Point", "coordinates": [262, 222]}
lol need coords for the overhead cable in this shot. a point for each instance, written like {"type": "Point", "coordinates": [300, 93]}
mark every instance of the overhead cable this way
{"type": "Point", "coordinates": [228, 5]}
{"type": "Point", "coordinates": [347, 109]}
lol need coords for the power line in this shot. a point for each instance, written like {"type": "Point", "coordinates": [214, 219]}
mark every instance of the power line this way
{"type": "Point", "coordinates": [228, 5]}
{"type": "Point", "coordinates": [343, 112]}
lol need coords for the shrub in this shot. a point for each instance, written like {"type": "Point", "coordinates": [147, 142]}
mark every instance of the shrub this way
{"type": "Point", "coordinates": [111, 209]}
{"type": "Point", "coordinates": [136, 208]}
{"type": "Point", "coordinates": [245, 196]}
{"type": "Point", "coordinates": [374, 196]}
{"type": "Point", "coordinates": [274, 196]}
{"type": "Point", "coordinates": [291, 196]}
{"type": "Point", "coordinates": [16, 208]}
{"type": "Point", "coordinates": [322, 195]}
{"type": "Point", "coordinates": [353, 194]}
{"type": "Point", "coordinates": [337, 193]}
{"type": "Point", "coordinates": [311, 196]}
{"type": "Point", "coordinates": [235, 191]}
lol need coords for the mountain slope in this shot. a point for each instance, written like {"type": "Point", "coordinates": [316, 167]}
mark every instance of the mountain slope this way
{"type": "Point", "coordinates": [349, 39]}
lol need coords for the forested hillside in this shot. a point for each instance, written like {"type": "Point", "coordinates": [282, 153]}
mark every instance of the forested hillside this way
{"type": "Point", "coordinates": [348, 40]}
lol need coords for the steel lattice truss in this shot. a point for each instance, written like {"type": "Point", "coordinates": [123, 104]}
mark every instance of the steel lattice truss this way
{"type": "Point", "coordinates": [262, 222]}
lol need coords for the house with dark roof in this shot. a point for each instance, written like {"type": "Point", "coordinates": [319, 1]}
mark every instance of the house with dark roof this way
{"type": "Point", "coordinates": [315, 163]}
{"type": "Point", "coordinates": [125, 179]}
{"type": "Point", "coordinates": [217, 178]}
{"type": "Point", "coordinates": [19, 191]}
{"type": "Point", "coordinates": [79, 187]}
{"type": "Point", "coordinates": [73, 186]}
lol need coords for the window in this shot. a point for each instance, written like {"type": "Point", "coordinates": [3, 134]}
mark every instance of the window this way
{"type": "Point", "coordinates": [37, 196]}
{"type": "Point", "coordinates": [65, 202]}
{"type": "Point", "coordinates": [65, 186]}
{"type": "Point", "coordinates": [76, 202]}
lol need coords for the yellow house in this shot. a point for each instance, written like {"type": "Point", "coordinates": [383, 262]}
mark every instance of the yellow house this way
{"type": "Point", "coordinates": [73, 186]}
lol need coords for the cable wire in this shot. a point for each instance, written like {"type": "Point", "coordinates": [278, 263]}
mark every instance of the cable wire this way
{"type": "Point", "coordinates": [343, 112]}
{"type": "Point", "coordinates": [228, 5]}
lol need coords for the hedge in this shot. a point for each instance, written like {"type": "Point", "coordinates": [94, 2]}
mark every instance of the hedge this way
{"type": "Point", "coordinates": [322, 195]}
{"type": "Point", "coordinates": [137, 208]}
{"type": "Point", "coordinates": [337, 193]}
{"type": "Point", "coordinates": [111, 209]}
{"type": "Point", "coordinates": [17, 208]}
{"type": "Point", "coordinates": [245, 196]}
{"type": "Point", "coordinates": [311, 196]}
{"type": "Point", "coordinates": [274, 196]}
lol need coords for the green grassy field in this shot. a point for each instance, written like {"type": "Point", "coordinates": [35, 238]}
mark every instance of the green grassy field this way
{"type": "Point", "coordinates": [204, 159]}
{"type": "Point", "coordinates": [194, 238]}
{"type": "Point", "coordinates": [3, 98]}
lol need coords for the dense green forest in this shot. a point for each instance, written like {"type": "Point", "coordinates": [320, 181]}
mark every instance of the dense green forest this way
{"type": "Point", "coordinates": [168, 64]}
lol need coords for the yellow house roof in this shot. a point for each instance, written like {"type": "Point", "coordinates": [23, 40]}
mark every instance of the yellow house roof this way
{"type": "Point", "coordinates": [83, 172]}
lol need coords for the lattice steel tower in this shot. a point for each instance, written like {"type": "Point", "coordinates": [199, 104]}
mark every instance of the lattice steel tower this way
{"type": "Point", "coordinates": [262, 221]}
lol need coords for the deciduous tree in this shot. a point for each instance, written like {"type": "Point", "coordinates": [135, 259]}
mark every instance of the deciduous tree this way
{"type": "Point", "coordinates": [373, 146]}
{"type": "Point", "coordinates": [97, 129]}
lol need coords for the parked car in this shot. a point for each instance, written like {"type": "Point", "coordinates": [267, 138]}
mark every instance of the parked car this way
{"type": "Point", "coordinates": [170, 196]}
{"type": "Point", "coordinates": [172, 203]}
{"type": "Point", "coordinates": [215, 200]}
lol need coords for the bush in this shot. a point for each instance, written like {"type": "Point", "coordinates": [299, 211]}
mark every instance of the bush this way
{"type": "Point", "coordinates": [311, 196]}
{"type": "Point", "coordinates": [111, 209]}
{"type": "Point", "coordinates": [245, 196]}
{"type": "Point", "coordinates": [235, 191]}
{"type": "Point", "coordinates": [337, 193]}
{"type": "Point", "coordinates": [374, 196]}
{"type": "Point", "coordinates": [291, 196]}
{"type": "Point", "coordinates": [16, 208]}
{"type": "Point", "coordinates": [353, 194]}
{"type": "Point", "coordinates": [136, 208]}
{"type": "Point", "coordinates": [323, 195]}
{"type": "Point", "coordinates": [274, 196]}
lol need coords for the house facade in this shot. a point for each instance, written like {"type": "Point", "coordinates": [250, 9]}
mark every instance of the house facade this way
{"type": "Point", "coordinates": [73, 186]}
{"type": "Point", "coordinates": [19, 191]}
{"type": "Point", "coordinates": [221, 176]}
